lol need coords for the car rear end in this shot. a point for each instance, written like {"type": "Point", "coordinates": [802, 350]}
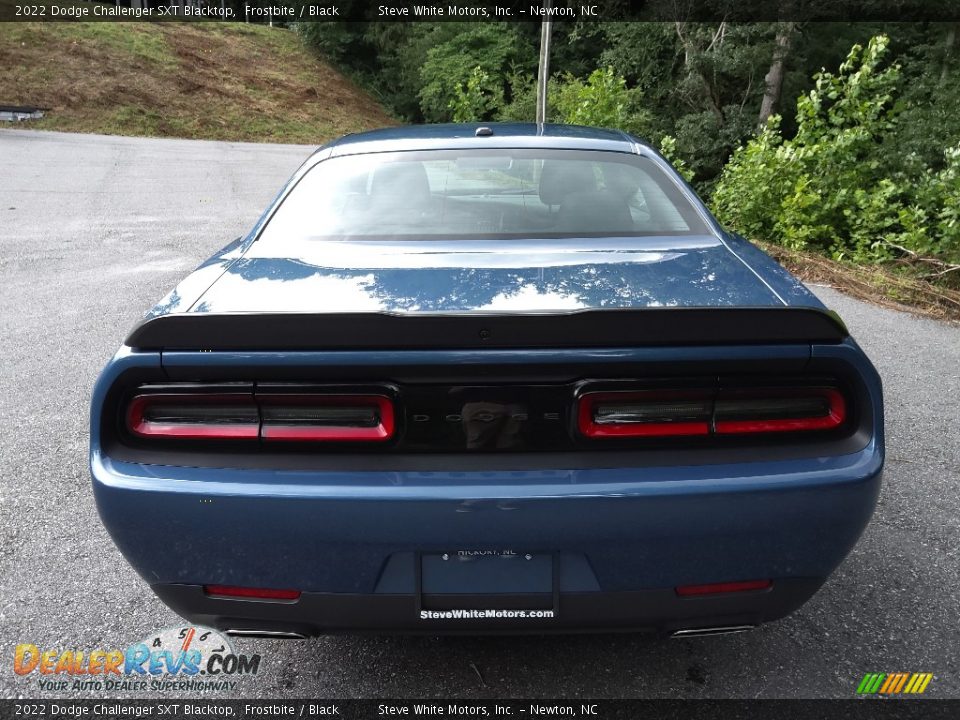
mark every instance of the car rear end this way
{"type": "Point", "coordinates": [676, 488]}
{"type": "Point", "coordinates": [501, 430]}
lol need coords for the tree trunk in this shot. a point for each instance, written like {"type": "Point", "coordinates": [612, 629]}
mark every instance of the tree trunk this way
{"type": "Point", "coordinates": [773, 82]}
{"type": "Point", "coordinates": [949, 43]}
{"type": "Point", "coordinates": [709, 94]}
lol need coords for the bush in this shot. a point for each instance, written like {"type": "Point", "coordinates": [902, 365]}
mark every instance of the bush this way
{"type": "Point", "coordinates": [830, 188]}
{"type": "Point", "coordinates": [603, 100]}
{"type": "Point", "coordinates": [450, 65]}
{"type": "Point", "coordinates": [476, 98]}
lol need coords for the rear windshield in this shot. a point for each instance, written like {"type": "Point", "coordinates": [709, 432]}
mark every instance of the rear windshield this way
{"type": "Point", "coordinates": [451, 194]}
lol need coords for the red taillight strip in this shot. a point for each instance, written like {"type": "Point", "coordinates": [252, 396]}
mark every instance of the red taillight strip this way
{"type": "Point", "coordinates": [233, 591]}
{"type": "Point", "coordinates": [836, 414]}
{"type": "Point", "coordinates": [141, 426]}
{"type": "Point", "coordinates": [381, 431]}
{"type": "Point", "coordinates": [723, 588]}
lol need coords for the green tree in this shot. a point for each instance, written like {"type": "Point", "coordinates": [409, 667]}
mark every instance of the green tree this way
{"type": "Point", "coordinates": [602, 100]}
{"type": "Point", "coordinates": [831, 186]}
{"type": "Point", "coordinates": [493, 47]}
{"type": "Point", "coordinates": [476, 98]}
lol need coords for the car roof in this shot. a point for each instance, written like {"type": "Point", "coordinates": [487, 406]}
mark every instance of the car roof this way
{"type": "Point", "coordinates": [501, 135]}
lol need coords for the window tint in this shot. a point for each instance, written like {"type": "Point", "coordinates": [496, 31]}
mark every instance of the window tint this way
{"type": "Point", "coordinates": [470, 194]}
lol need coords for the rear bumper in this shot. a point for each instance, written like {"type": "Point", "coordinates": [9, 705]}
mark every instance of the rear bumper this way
{"type": "Point", "coordinates": [624, 539]}
{"type": "Point", "coordinates": [330, 613]}
{"type": "Point", "coordinates": [621, 539]}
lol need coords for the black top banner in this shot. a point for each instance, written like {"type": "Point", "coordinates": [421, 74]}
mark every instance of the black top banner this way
{"type": "Point", "coordinates": [290, 11]}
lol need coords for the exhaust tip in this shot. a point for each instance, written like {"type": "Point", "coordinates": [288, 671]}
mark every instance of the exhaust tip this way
{"type": "Point", "coordinates": [267, 634]}
{"type": "Point", "coordinates": [719, 630]}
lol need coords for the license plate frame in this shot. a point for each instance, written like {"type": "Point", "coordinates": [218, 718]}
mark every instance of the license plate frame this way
{"type": "Point", "coordinates": [540, 590]}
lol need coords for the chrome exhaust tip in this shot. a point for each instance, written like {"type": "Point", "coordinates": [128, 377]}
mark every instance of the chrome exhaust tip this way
{"type": "Point", "coordinates": [267, 634]}
{"type": "Point", "coordinates": [720, 630]}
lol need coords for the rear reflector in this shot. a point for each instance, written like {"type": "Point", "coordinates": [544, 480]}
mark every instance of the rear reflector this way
{"type": "Point", "coordinates": [331, 418]}
{"type": "Point", "coordinates": [194, 416]}
{"type": "Point", "coordinates": [723, 588]}
{"type": "Point", "coordinates": [251, 593]}
{"type": "Point", "coordinates": [662, 413]}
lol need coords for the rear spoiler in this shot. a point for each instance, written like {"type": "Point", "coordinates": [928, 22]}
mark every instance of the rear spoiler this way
{"type": "Point", "coordinates": [584, 328]}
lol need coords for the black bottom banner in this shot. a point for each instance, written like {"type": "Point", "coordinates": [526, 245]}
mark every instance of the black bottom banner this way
{"type": "Point", "coordinates": [865, 709]}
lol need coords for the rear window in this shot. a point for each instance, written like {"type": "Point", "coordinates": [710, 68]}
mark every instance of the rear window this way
{"type": "Point", "coordinates": [450, 194]}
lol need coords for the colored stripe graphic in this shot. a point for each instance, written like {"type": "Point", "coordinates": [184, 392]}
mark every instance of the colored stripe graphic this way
{"type": "Point", "coordinates": [921, 685]}
{"type": "Point", "coordinates": [901, 681]}
{"type": "Point", "coordinates": [894, 683]}
{"type": "Point", "coordinates": [888, 683]}
{"type": "Point", "coordinates": [866, 683]}
{"type": "Point", "coordinates": [871, 682]}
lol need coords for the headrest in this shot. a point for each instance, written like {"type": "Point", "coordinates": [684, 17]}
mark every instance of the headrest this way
{"type": "Point", "coordinates": [400, 178]}
{"type": "Point", "coordinates": [559, 178]}
{"type": "Point", "coordinates": [595, 212]}
{"type": "Point", "coordinates": [622, 180]}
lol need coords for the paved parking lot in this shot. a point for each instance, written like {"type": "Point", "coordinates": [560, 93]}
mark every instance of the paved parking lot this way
{"type": "Point", "coordinates": [95, 229]}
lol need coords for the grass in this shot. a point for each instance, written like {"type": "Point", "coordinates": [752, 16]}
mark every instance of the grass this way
{"type": "Point", "coordinates": [216, 81]}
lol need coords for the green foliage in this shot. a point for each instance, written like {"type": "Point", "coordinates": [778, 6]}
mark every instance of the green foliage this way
{"type": "Point", "coordinates": [334, 41]}
{"type": "Point", "coordinates": [603, 100]}
{"type": "Point", "coordinates": [523, 98]}
{"type": "Point", "coordinates": [493, 47]}
{"type": "Point", "coordinates": [668, 148]}
{"type": "Point", "coordinates": [929, 96]}
{"type": "Point", "coordinates": [704, 143]}
{"type": "Point", "coordinates": [475, 99]}
{"type": "Point", "coordinates": [855, 166]}
{"type": "Point", "coordinates": [831, 187]}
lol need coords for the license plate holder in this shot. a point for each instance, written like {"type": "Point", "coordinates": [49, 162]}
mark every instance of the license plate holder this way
{"type": "Point", "coordinates": [481, 580]}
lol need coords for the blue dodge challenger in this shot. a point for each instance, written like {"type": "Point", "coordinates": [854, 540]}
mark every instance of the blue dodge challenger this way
{"type": "Point", "coordinates": [512, 378]}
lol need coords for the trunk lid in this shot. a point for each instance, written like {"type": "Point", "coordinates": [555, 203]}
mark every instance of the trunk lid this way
{"type": "Point", "coordinates": [487, 276]}
{"type": "Point", "coordinates": [595, 292]}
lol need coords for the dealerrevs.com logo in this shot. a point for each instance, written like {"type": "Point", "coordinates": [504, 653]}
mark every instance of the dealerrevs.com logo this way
{"type": "Point", "coordinates": [178, 658]}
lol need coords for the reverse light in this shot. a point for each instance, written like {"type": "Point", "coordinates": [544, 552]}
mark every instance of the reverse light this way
{"type": "Point", "coordinates": [191, 416]}
{"type": "Point", "coordinates": [723, 588]}
{"type": "Point", "coordinates": [331, 418]}
{"type": "Point", "coordinates": [232, 591]}
{"type": "Point", "coordinates": [643, 414]}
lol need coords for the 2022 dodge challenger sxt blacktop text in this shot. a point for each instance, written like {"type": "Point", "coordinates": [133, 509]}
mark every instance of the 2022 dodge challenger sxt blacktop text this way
{"type": "Point", "coordinates": [513, 378]}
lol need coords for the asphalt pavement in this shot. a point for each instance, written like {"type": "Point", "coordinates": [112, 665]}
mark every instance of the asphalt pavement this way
{"type": "Point", "coordinates": [95, 229]}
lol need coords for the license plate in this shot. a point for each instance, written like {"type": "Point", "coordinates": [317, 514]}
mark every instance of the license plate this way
{"type": "Point", "coordinates": [472, 572]}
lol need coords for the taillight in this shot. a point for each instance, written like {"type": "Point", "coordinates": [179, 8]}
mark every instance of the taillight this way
{"type": "Point", "coordinates": [248, 593]}
{"type": "Point", "coordinates": [791, 410]}
{"type": "Point", "coordinates": [305, 417]}
{"type": "Point", "coordinates": [643, 414]}
{"type": "Point", "coordinates": [665, 413]}
{"type": "Point", "coordinates": [331, 418]}
{"type": "Point", "coordinates": [194, 416]}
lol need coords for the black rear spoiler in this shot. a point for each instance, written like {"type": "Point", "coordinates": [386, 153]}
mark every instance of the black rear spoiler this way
{"type": "Point", "coordinates": [585, 328]}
